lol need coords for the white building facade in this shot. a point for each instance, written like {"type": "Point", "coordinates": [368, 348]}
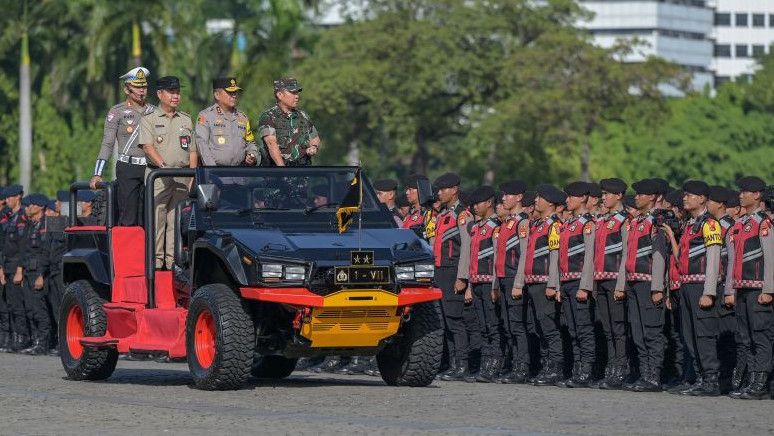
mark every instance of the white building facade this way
{"type": "Point", "coordinates": [744, 30]}
{"type": "Point", "coordinates": [677, 30]}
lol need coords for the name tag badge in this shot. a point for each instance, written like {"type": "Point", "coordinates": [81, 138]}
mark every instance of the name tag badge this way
{"type": "Point", "coordinates": [184, 142]}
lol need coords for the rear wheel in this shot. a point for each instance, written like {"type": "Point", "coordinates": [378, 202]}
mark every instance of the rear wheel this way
{"type": "Point", "coordinates": [219, 339]}
{"type": "Point", "coordinates": [415, 357]}
{"type": "Point", "coordinates": [275, 367]}
{"type": "Point", "coordinates": [82, 315]}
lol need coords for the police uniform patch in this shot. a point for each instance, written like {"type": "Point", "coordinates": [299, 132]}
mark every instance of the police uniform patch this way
{"type": "Point", "coordinates": [610, 225]}
{"type": "Point", "coordinates": [129, 129]}
{"type": "Point", "coordinates": [462, 220]}
{"type": "Point", "coordinates": [523, 230]}
{"type": "Point", "coordinates": [573, 227]}
{"type": "Point", "coordinates": [711, 233]}
{"type": "Point", "coordinates": [221, 140]}
{"type": "Point", "coordinates": [496, 233]}
{"type": "Point", "coordinates": [510, 224]}
{"type": "Point", "coordinates": [159, 139]}
{"type": "Point", "coordinates": [765, 228]}
{"type": "Point", "coordinates": [110, 116]}
{"type": "Point", "coordinates": [202, 120]}
{"type": "Point", "coordinates": [553, 237]}
{"type": "Point", "coordinates": [587, 228]}
{"type": "Point", "coordinates": [641, 228]}
{"type": "Point", "coordinates": [748, 227]}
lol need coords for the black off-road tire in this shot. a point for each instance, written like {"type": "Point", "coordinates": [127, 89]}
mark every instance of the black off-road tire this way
{"type": "Point", "coordinates": [234, 339]}
{"type": "Point", "coordinates": [93, 363]}
{"type": "Point", "coordinates": [415, 358]}
{"type": "Point", "coordinates": [273, 367]}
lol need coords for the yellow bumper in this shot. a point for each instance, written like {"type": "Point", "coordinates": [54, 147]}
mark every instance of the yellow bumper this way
{"type": "Point", "coordinates": [352, 318]}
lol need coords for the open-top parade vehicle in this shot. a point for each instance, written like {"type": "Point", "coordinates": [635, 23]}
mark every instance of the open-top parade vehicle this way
{"type": "Point", "coordinates": [261, 277]}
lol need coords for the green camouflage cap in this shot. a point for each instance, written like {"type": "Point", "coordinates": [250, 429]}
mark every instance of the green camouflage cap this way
{"type": "Point", "coordinates": [288, 83]}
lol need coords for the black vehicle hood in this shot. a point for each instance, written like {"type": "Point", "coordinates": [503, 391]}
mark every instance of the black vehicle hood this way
{"type": "Point", "coordinates": [388, 245]}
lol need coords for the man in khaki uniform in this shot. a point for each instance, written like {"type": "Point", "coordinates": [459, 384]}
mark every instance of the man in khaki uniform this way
{"type": "Point", "coordinates": [223, 133]}
{"type": "Point", "coordinates": [166, 136]}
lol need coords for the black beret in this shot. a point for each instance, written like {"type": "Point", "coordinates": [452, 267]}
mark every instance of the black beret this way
{"type": "Point", "coordinates": [577, 189]}
{"type": "Point", "coordinates": [86, 196]}
{"type": "Point", "coordinates": [629, 201]}
{"type": "Point", "coordinates": [51, 204]}
{"type": "Point", "coordinates": [167, 82]}
{"type": "Point", "coordinates": [662, 186]}
{"type": "Point", "coordinates": [719, 194]}
{"type": "Point", "coordinates": [675, 197]}
{"type": "Point", "coordinates": [36, 199]}
{"type": "Point", "coordinates": [464, 197]}
{"type": "Point", "coordinates": [529, 199]}
{"type": "Point", "coordinates": [613, 186]}
{"type": "Point", "coordinates": [514, 187]}
{"type": "Point", "coordinates": [595, 190]}
{"type": "Point", "coordinates": [646, 186]}
{"type": "Point", "coordinates": [482, 193]}
{"type": "Point", "coordinates": [446, 180]}
{"type": "Point", "coordinates": [385, 185]}
{"type": "Point", "coordinates": [63, 195]}
{"type": "Point", "coordinates": [751, 184]}
{"type": "Point", "coordinates": [12, 190]}
{"type": "Point", "coordinates": [402, 201]}
{"type": "Point", "coordinates": [696, 187]}
{"type": "Point", "coordinates": [320, 190]}
{"type": "Point", "coordinates": [550, 193]}
{"type": "Point", "coordinates": [411, 180]}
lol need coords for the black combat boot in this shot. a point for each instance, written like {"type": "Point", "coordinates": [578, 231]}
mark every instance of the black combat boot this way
{"type": "Point", "coordinates": [550, 376]}
{"type": "Point", "coordinates": [610, 375]}
{"type": "Point", "coordinates": [696, 386]}
{"type": "Point", "coordinates": [373, 368]}
{"type": "Point", "coordinates": [737, 379]}
{"type": "Point", "coordinates": [39, 346]}
{"type": "Point", "coordinates": [330, 364]}
{"type": "Point", "coordinates": [460, 371]}
{"type": "Point", "coordinates": [710, 386]}
{"type": "Point", "coordinates": [649, 383]}
{"type": "Point", "coordinates": [758, 388]}
{"type": "Point", "coordinates": [357, 365]}
{"type": "Point", "coordinates": [582, 377]}
{"type": "Point", "coordinates": [20, 342]}
{"type": "Point", "coordinates": [487, 373]}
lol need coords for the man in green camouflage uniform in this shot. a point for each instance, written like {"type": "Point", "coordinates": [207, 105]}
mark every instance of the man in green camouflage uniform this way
{"type": "Point", "coordinates": [288, 134]}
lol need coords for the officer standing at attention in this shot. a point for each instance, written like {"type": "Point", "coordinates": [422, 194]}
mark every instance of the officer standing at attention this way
{"type": "Point", "coordinates": [610, 308]}
{"type": "Point", "coordinates": [451, 249]}
{"type": "Point", "coordinates": [698, 257]}
{"type": "Point", "coordinates": [289, 136]}
{"type": "Point", "coordinates": [576, 274]}
{"type": "Point", "coordinates": [513, 312]}
{"type": "Point", "coordinates": [35, 264]}
{"type": "Point", "coordinates": [538, 275]}
{"type": "Point", "coordinates": [386, 192]}
{"type": "Point", "coordinates": [223, 133]}
{"type": "Point", "coordinates": [752, 275]}
{"type": "Point", "coordinates": [12, 273]}
{"type": "Point", "coordinates": [5, 317]}
{"type": "Point", "coordinates": [415, 219]}
{"type": "Point", "coordinates": [122, 127]}
{"type": "Point", "coordinates": [480, 281]}
{"type": "Point", "coordinates": [642, 275]}
{"type": "Point", "coordinates": [168, 141]}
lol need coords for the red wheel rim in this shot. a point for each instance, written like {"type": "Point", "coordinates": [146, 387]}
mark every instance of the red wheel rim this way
{"type": "Point", "coordinates": [74, 328]}
{"type": "Point", "coordinates": [204, 339]}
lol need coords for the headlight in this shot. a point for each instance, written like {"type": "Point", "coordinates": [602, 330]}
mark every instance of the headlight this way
{"type": "Point", "coordinates": [418, 272]}
{"type": "Point", "coordinates": [274, 272]}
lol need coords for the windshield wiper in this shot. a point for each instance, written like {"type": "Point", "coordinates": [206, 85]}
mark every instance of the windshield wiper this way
{"type": "Point", "coordinates": [312, 209]}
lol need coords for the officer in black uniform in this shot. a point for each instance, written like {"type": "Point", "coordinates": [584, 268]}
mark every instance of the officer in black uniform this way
{"type": "Point", "coordinates": [678, 375]}
{"type": "Point", "coordinates": [12, 275]}
{"type": "Point", "coordinates": [5, 317]}
{"type": "Point", "coordinates": [35, 264]}
{"type": "Point", "coordinates": [54, 242]}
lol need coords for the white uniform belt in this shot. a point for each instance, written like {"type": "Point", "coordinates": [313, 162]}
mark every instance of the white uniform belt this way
{"type": "Point", "coordinates": [132, 159]}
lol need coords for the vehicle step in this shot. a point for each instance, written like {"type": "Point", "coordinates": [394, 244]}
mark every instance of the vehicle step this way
{"type": "Point", "coordinates": [98, 342]}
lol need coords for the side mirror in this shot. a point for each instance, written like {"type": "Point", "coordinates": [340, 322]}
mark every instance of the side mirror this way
{"type": "Point", "coordinates": [208, 197]}
{"type": "Point", "coordinates": [425, 191]}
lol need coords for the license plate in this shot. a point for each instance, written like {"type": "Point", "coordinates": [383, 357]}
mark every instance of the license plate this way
{"type": "Point", "coordinates": [375, 275]}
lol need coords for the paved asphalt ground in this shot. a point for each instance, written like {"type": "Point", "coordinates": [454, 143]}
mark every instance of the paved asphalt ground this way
{"type": "Point", "coordinates": [152, 398]}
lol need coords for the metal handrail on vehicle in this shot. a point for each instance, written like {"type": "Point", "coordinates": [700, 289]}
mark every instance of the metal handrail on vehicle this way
{"type": "Point", "coordinates": [150, 224]}
{"type": "Point", "coordinates": [84, 186]}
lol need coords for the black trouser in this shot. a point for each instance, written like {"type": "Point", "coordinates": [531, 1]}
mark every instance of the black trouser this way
{"type": "Point", "coordinates": [131, 185]}
{"type": "Point", "coordinates": [578, 317]}
{"type": "Point", "coordinates": [36, 308]}
{"type": "Point", "coordinates": [54, 295]}
{"type": "Point", "coordinates": [727, 349]}
{"type": "Point", "coordinates": [545, 314]}
{"type": "Point", "coordinates": [700, 328]}
{"type": "Point", "coordinates": [647, 326]}
{"type": "Point", "coordinates": [5, 314]}
{"type": "Point", "coordinates": [514, 319]}
{"type": "Point", "coordinates": [472, 328]}
{"type": "Point", "coordinates": [453, 305]}
{"type": "Point", "coordinates": [15, 299]}
{"type": "Point", "coordinates": [489, 323]}
{"type": "Point", "coordinates": [674, 355]}
{"type": "Point", "coordinates": [756, 329]}
{"type": "Point", "coordinates": [612, 315]}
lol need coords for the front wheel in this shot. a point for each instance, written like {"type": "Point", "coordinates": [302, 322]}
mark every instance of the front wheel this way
{"type": "Point", "coordinates": [220, 338]}
{"type": "Point", "coordinates": [81, 315]}
{"type": "Point", "coordinates": [414, 358]}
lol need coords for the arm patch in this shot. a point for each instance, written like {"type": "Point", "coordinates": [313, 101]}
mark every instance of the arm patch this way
{"type": "Point", "coordinates": [712, 233]}
{"type": "Point", "coordinates": [553, 237]}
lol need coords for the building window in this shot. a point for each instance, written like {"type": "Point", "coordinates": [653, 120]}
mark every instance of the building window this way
{"type": "Point", "coordinates": [741, 51]}
{"type": "Point", "coordinates": [723, 19]}
{"type": "Point", "coordinates": [741, 20]}
{"type": "Point", "coordinates": [719, 80]}
{"type": "Point", "coordinates": [759, 20]}
{"type": "Point", "coordinates": [771, 20]}
{"type": "Point", "coordinates": [758, 50]}
{"type": "Point", "coordinates": [722, 51]}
